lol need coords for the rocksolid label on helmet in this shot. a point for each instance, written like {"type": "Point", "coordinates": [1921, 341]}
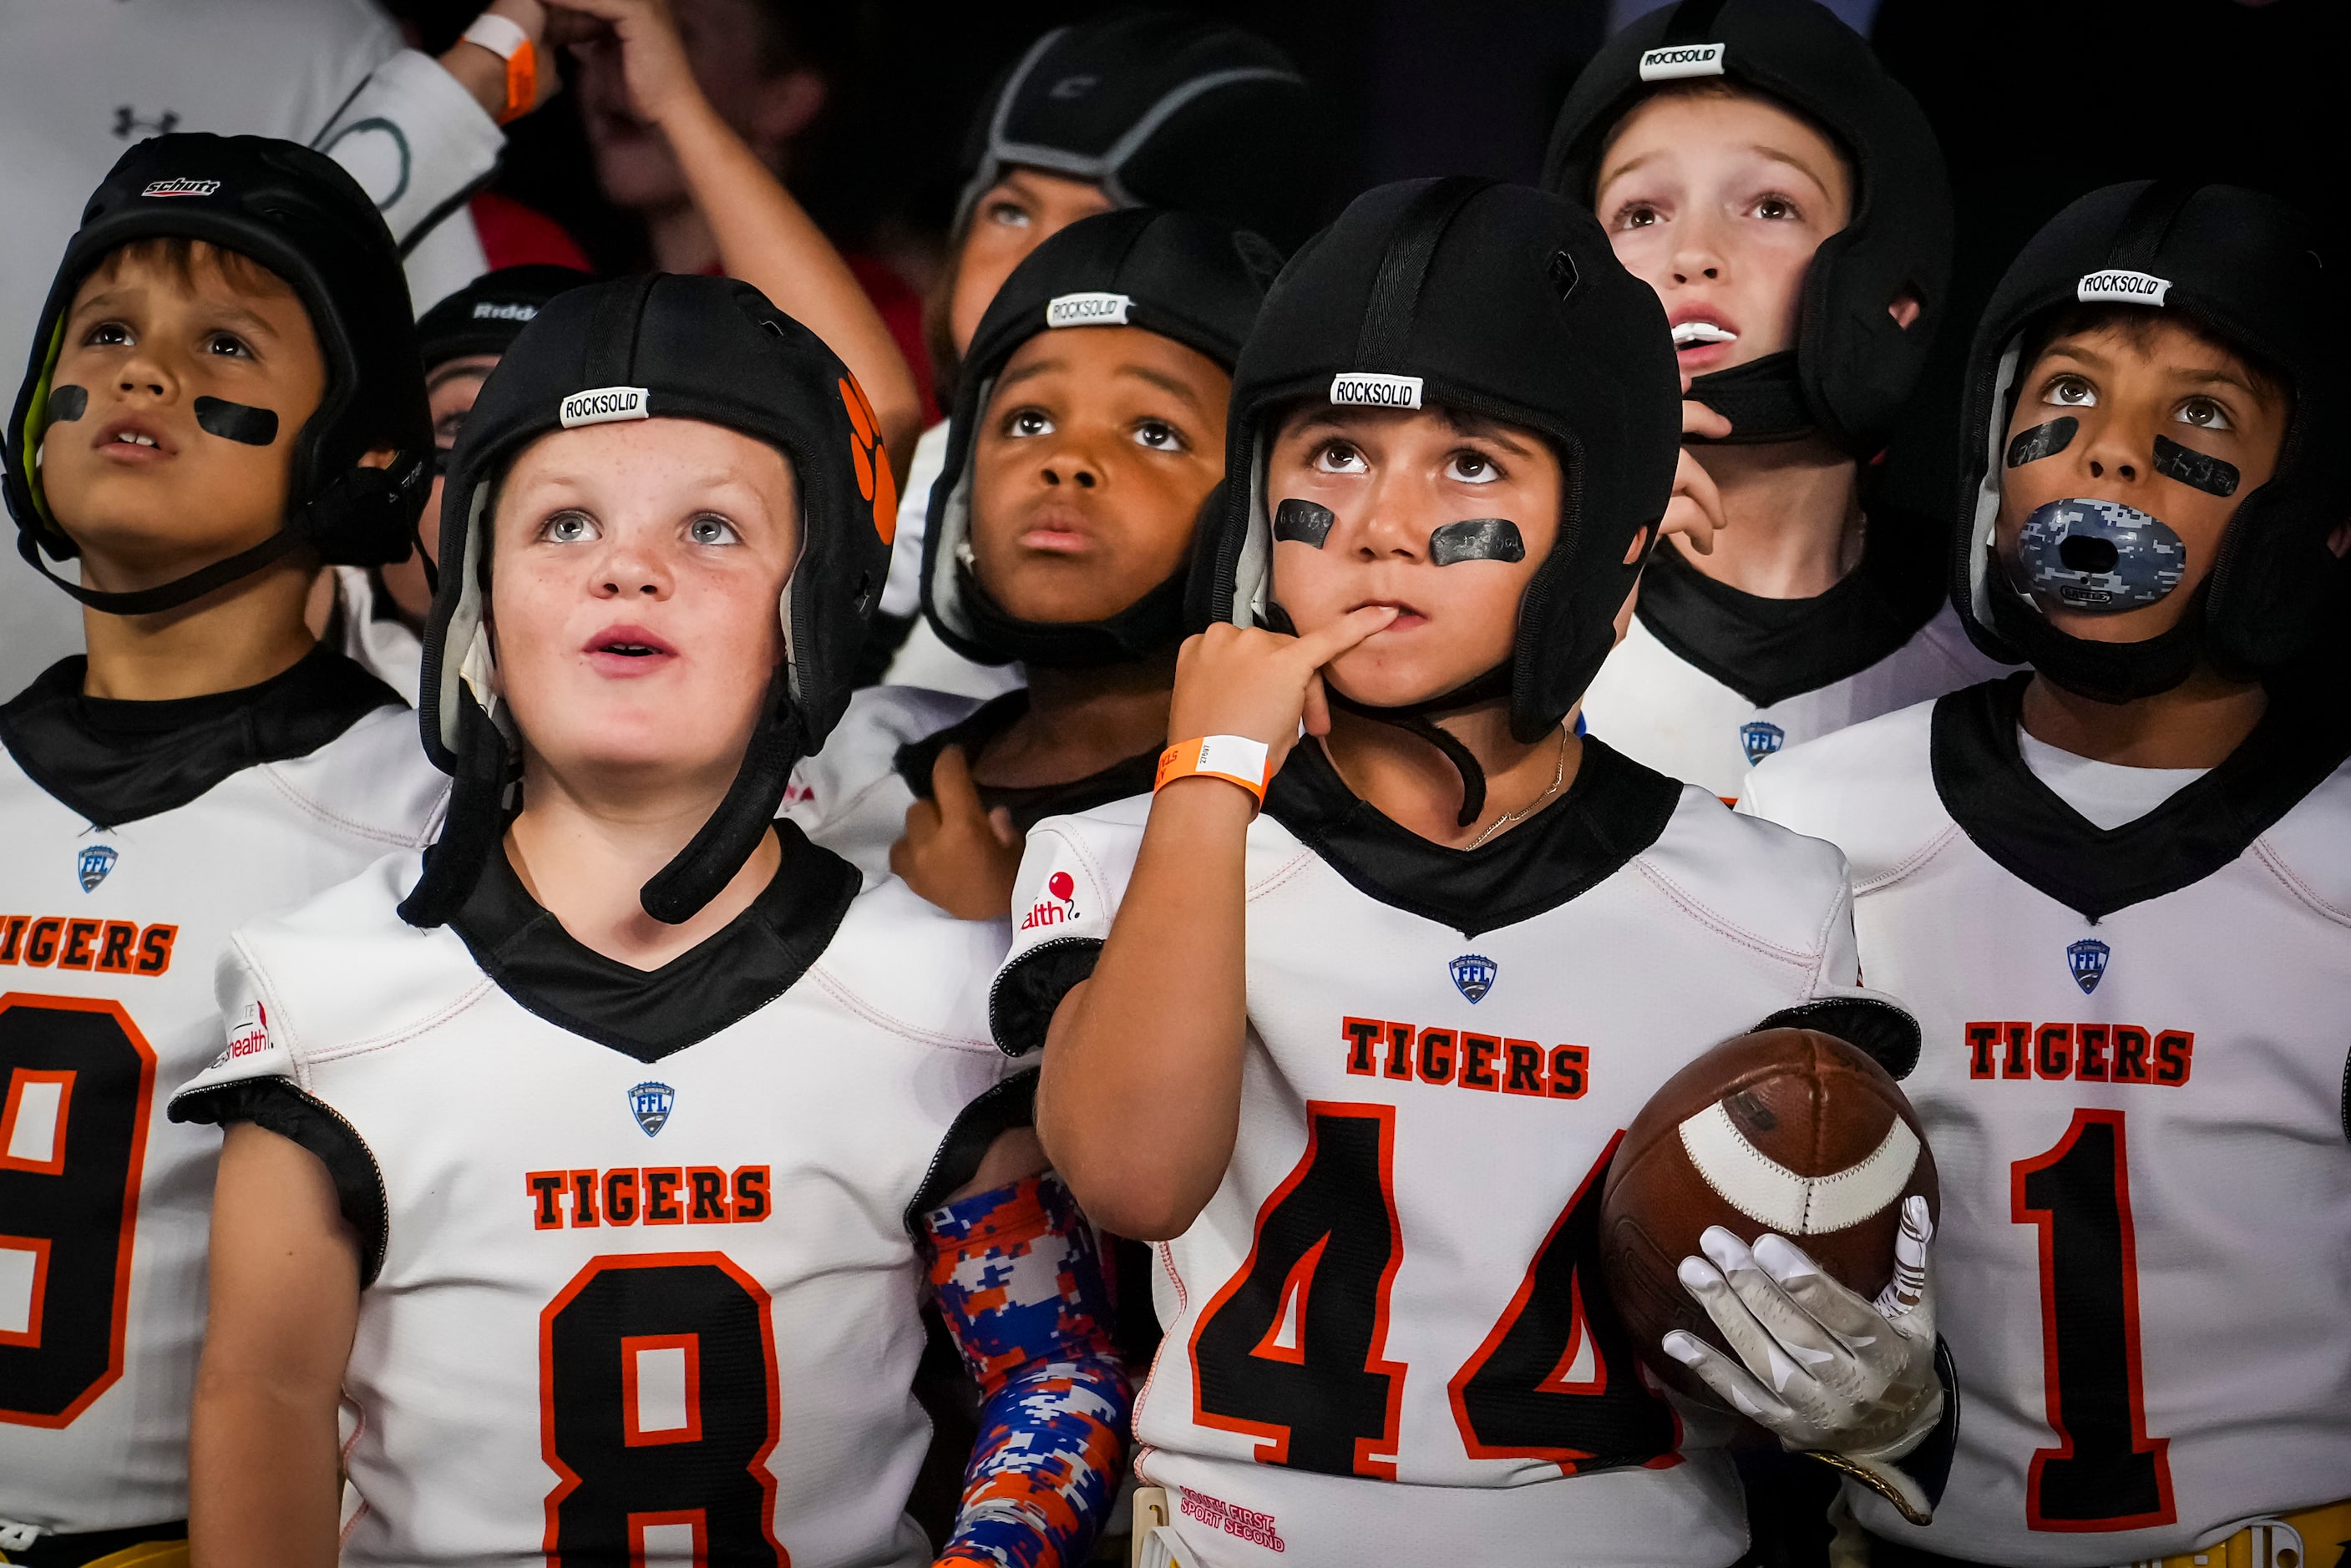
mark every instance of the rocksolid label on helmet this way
{"type": "Point", "coordinates": [1087, 310]}
{"type": "Point", "coordinates": [1678, 60]}
{"type": "Point", "coordinates": [2119, 286]}
{"type": "Point", "coordinates": [1363, 389]}
{"type": "Point", "coordinates": [180, 188]}
{"type": "Point", "coordinates": [602, 405]}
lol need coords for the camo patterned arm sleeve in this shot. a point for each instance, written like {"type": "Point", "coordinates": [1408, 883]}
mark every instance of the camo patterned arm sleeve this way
{"type": "Point", "coordinates": [1020, 1286]}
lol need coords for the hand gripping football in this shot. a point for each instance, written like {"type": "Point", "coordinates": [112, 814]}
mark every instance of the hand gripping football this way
{"type": "Point", "coordinates": [1790, 1132]}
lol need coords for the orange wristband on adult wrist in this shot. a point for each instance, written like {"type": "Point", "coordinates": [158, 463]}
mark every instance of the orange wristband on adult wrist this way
{"type": "Point", "coordinates": [506, 39]}
{"type": "Point", "coordinates": [1236, 759]}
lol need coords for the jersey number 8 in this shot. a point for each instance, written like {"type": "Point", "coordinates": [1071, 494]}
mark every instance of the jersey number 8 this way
{"type": "Point", "coordinates": [651, 1469]}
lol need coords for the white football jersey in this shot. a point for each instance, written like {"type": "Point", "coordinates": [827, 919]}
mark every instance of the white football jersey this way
{"type": "Point", "coordinates": [108, 937]}
{"type": "Point", "coordinates": [2133, 1079]}
{"type": "Point", "coordinates": [1710, 680]}
{"type": "Point", "coordinates": [656, 1226]}
{"type": "Point", "coordinates": [1386, 1337]}
{"type": "Point", "coordinates": [850, 797]}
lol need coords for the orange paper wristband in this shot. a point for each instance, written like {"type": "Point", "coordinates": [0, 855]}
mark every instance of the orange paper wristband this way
{"type": "Point", "coordinates": [1236, 759]}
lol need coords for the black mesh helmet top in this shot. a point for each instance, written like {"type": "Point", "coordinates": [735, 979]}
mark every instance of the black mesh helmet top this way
{"type": "Point", "coordinates": [297, 212]}
{"type": "Point", "coordinates": [488, 314]}
{"type": "Point", "coordinates": [1502, 301]}
{"type": "Point", "coordinates": [1161, 109]}
{"type": "Point", "coordinates": [1168, 273]}
{"type": "Point", "coordinates": [2246, 268]}
{"type": "Point", "coordinates": [1855, 367]}
{"type": "Point", "coordinates": [661, 346]}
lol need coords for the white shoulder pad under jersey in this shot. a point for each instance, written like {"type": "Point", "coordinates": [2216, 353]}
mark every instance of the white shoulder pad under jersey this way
{"type": "Point", "coordinates": [657, 1226]}
{"type": "Point", "coordinates": [1661, 710]}
{"type": "Point", "coordinates": [2134, 1076]}
{"type": "Point", "coordinates": [107, 938]}
{"type": "Point", "coordinates": [1386, 1326]}
{"type": "Point", "coordinates": [848, 797]}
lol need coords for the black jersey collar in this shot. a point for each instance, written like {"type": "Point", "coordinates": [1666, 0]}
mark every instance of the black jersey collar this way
{"type": "Point", "coordinates": [1615, 809]}
{"type": "Point", "coordinates": [1768, 651]}
{"type": "Point", "coordinates": [2028, 829]}
{"type": "Point", "coordinates": [1032, 804]}
{"type": "Point", "coordinates": [648, 1014]}
{"type": "Point", "coordinates": [116, 762]}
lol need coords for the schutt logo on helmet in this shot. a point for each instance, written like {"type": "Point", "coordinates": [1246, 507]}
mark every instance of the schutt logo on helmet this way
{"type": "Point", "coordinates": [180, 188]}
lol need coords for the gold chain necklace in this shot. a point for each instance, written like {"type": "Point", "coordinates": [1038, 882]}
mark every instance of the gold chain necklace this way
{"type": "Point", "coordinates": [1529, 809]}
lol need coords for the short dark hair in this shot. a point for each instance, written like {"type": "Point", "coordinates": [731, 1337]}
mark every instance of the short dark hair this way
{"type": "Point", "coordinates": [2137, 324]}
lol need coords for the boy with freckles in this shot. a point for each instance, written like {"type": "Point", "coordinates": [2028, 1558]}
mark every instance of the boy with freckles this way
{"type": "Point", "coordinates": [1755, 165]}
{"type": "Point", "coordinates": [2112, 885]}
{"type": "Point", "coordinates": [224, 392]}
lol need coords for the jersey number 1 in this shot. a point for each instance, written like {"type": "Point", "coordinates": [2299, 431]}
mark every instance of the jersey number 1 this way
{"type": "Point", "coordinates": [2106, 1472]}
{"type": "Point", "coordinates": [1291, 1351]}
{"type": "Point", "coordinates": [651, 1468]}
{"type": "Point", "coordinates": [77, 1083]}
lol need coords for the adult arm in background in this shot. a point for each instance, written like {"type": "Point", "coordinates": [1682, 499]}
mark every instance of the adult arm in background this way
{"type": "Point", "coordinates": [764, 236]}
{"type": "Point", "coordinates": [421, 136]}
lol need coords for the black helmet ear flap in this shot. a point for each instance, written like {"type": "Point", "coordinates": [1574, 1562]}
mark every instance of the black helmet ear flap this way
{"type": "Point", "coordinates": [472, 827]}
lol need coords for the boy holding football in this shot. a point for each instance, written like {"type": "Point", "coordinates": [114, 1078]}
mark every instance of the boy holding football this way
{"type": "Point", "coordinates": [2113, 887]}
{"type": "Point", "coordinates": [1359, 1062]}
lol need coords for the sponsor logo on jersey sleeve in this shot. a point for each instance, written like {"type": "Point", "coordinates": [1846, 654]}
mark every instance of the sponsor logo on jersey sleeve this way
{"type": "Point", "coordinates": [92, 865]}
{"type": "Point", "coordinates": [1473, 975]}
{"type": "Point", "coordinates": [651, 1104]}
{"type": "Point", "coordinates": [1759, 738]}
{"type": "Point", "coordinates": [1058, 906]}
{"type": "Point", "coordinates": [2087, 960]}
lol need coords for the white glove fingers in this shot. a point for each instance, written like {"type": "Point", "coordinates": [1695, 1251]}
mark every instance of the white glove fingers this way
{"type": "Point", "coordinates": [1731, 1382]}
{"type": "Point", "coordinates": [1907, 1291]}
{"type": "Point", "coordinates": [1754, 1342]}
{"type": "Point", "coordinates": [1842, 1312]}
{"type": "Point", "coordinates": [1795, 1330]}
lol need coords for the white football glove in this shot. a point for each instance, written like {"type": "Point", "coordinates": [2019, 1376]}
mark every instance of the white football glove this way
{"type": "Point", "coordinates": [1829, 1373]}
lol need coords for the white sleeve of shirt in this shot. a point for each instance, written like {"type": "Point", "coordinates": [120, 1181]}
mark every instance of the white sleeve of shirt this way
{"type": "Point", "coordinates": [1072, 876]}
{"type": "Point", "coordinates": [419, 145]}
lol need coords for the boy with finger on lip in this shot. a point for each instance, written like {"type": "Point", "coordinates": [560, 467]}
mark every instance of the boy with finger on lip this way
{"type": "Point", "coordinates": [2113, 887]}
{"type": "Point", "coordinates": [1754, 162]}
{"type": "Point", "coordinates": [1357, 1060]}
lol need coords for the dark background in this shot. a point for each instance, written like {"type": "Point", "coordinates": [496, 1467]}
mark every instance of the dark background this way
{"type": "Point", "coordinates": [2036, 101]}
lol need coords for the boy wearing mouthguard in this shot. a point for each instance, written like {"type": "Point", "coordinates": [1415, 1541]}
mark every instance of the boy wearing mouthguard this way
{"type": "Point", "coordinates": [2114, 888]}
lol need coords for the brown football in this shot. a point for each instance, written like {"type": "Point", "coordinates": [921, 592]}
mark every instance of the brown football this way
{"type": "Point", "coordinates": [1790, 1131]}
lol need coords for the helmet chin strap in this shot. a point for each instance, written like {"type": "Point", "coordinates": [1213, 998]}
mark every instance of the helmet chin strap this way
{"type": "Point", "coordinates": [1414, 718]}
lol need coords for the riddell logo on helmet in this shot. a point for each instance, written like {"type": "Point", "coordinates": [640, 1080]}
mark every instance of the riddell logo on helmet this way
{"type": "Point", "coordinates": [1362, 389]}
{"type": "Point", "coordinates": [602, 405]}
{"type": "Point", "coordinates": [1087, 310]}
{"type": "Point", "coordinates": [1676, 62]}
{"type": "Point", "coordinates": [180, 188]}
{"type": "Point", "coordinates": [2118, 286]}
{"type": "Point", "coordinates": [485, 311]}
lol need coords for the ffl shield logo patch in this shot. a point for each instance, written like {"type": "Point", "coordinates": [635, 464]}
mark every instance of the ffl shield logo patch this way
{"type": "Point", "coordinates": [2087, 960]}
{"type": "Point", "coordinates": [1473, 975]}
{"type": "Point", "coordinates": [1759, 738]}
{"type": "Point", "coordinates": [651, 1104]}
{"type": "Point", "coordinates": [93, 865]}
